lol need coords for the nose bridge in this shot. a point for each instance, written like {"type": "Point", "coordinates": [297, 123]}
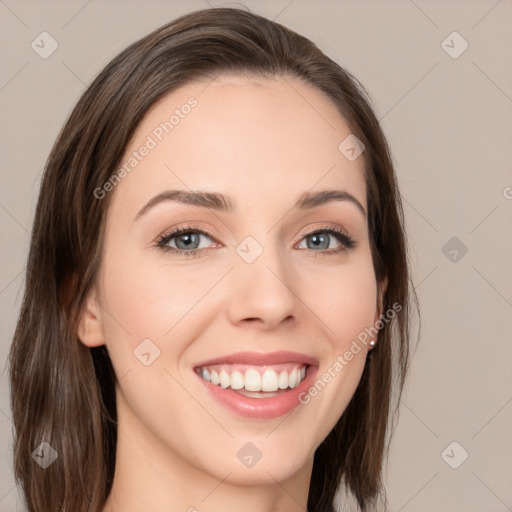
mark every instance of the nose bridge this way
{"type": "Point", "coordinates": [262, 287]}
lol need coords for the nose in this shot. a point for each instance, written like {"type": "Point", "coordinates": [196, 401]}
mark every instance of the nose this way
{"type": "Point", "coordinates": [261, 293]}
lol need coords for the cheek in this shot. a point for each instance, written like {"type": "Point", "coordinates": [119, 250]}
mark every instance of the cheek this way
{"type": "Point", "coordinates": [150, 300]}
{"type": "Point", "coordinates": [345, 300]}
{"type": "Point", "coordinates": [159, 302]}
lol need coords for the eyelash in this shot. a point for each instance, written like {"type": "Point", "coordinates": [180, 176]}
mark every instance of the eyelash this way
{"type": "Point", "coordinates": [346, 241]}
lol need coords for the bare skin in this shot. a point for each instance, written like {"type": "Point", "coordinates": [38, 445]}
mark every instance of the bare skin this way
{"type": "Point", "coordinates": [264, 144]}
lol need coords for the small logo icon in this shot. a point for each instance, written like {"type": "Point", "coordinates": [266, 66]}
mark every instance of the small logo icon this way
{"type": "Point", "coordinates": [351, 147]}
{"type": "Point", "coordinates": [454, 45]}
{"type": "Point", "coordinates": [454, 249]}
{"type": "Point", "coordinates": [44, 455]}
{"type": "Point", "coordinates": [146, 352]}
{"type": "Point", "coordinates": [249, 455]}
{"type": "Point", "coordinates": [249, 249]}
{"type": "Point", "coordinates": [454, 455]}
{"type": "Point", "coordinates": [44, 45]}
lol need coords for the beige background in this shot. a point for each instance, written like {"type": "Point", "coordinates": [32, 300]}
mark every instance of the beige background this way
{"type": "Point", "coordinates": [449, 124]}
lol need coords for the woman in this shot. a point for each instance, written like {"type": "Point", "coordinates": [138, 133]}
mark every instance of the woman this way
{"type": "Point", "coordinates": [217, 292]}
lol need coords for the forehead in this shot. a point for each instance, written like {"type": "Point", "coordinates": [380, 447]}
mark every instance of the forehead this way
{"type": "Point", "coordinates": [255, 138]}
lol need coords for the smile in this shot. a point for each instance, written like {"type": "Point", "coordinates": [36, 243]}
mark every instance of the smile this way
{"type": "Point", "coordinates": [254, 378]}
{"type": "Point", "coordinates": [258, 385]}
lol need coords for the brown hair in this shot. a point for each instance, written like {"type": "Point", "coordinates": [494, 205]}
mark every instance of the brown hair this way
{"type": "Point", "coordinates": [63, 392]}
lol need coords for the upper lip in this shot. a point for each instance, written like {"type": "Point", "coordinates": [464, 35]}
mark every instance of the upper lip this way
{"type": "Point", "coordinates": [261, 359]}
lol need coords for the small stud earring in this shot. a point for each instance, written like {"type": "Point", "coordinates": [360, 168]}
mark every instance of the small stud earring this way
{"type": "Point", "coordinates": [372, 343]}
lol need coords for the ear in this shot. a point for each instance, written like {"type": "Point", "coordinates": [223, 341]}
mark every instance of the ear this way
{"type": "Point", "coordinates": [382, 286]}
{"type": "Point", "coordinates": [90, 325]}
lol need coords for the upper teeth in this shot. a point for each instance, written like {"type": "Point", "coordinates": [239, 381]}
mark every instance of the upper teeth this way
{"type": "Point", "coordinates": [252, 379]}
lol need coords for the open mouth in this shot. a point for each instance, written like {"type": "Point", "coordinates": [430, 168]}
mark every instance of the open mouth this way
{"type": "Point", "coordinates": [254, 381]}
{"type": "Point", "coordinates": [258, 385]}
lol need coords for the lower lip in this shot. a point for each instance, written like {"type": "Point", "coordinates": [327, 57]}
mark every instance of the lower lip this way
{"type": "Point", "coordinates": [261, 408]}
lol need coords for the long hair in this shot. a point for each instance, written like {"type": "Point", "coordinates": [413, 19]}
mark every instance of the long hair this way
{"type": "Point", "coordinates": [62, 392]}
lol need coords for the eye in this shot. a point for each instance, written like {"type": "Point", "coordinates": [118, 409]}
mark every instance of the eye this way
{"type": "Point", "coordinates": [192, 241]}
{"type": "Point", "coordinates": [327, 239]}
{"type": "Point", "coordinates": [187, 241]}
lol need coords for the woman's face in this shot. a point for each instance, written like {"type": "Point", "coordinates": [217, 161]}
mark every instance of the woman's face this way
{"type": "Point", "coordinates": [269, 283]}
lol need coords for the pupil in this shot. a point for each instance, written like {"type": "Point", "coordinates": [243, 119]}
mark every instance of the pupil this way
{"type": "Point", "coordinates": [319, 240]}
{"type": "Point", "coordinates": [187, 240]}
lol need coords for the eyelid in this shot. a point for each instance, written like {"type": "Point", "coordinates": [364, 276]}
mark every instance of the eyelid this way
{"type": "Point", "coordinates": [323, 227]}
{"type": "Point", "coordinates": [187, 227]}
{"type": "Point", "coordinates": [177, 231]}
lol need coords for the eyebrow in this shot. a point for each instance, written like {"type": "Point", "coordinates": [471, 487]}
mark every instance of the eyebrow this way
{"type": "Point", "coordinates": [220, 202]}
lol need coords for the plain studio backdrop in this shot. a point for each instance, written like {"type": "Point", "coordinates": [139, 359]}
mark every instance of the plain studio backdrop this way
{"type": "Point", "coordinates": [440, 77]}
